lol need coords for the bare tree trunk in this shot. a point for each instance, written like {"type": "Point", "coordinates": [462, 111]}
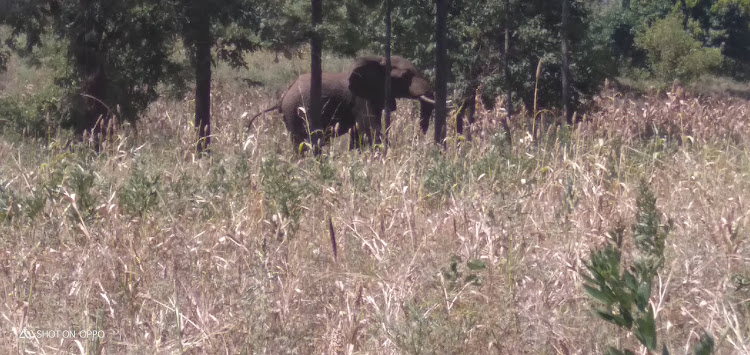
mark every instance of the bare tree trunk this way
{"type": "Point", "coordinates": [316, 73]}
{"type": "Point", "coordinates": [506, 69]}
{"type": "Point", "coordinates": [441, 72]}
{"type": "Point", "coordinates": [565, 65]}
{"type": "Point", "coordinates": [388, 10]}
{"type": "Point", "coordinates": [202, 39]}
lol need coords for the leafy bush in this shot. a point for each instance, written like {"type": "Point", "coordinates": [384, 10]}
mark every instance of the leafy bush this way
{"type": "Point", "coordinates": [140, 193]}
{"type": "Point", "coordinates": [82, 183]}
{"type": "Point", "coordinates": [624, 295]}
{"type": "Point", "coordinates": [34, 115]}
{"type": "Point", "coordinates": [8, 204]}
{"type": "Point", "coordinates": [283, 190]}
{"type": "Point", "coordinates": [442, 176]}
{"type": "Point", "coordinates": [673, 53]}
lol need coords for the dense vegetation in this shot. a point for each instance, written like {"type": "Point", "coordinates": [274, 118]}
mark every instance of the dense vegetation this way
{"type": "Point", "coordinates": [116, 55]}
{"type": "Point", "coordinates": [625, 233]}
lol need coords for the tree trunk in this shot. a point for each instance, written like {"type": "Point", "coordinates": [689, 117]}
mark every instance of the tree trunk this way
{"type": "Point", "coordinates": [387, 97]}
{"type": "Point", "coordinates": [506, 69]}
{"type": "Point", "coordinates": [316, 73]}
{"type": "Point", "coordinates": [441, 72]}
{"type": "Point", "coordinates": [565, 65]}
{"type": "Point", "coordinates": [202, 28]}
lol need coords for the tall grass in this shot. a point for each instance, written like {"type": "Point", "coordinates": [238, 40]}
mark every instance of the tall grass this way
{"type": "Point", "coordinates": [477, 249]}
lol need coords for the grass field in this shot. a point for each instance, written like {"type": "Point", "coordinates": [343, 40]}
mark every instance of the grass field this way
{"type": "Point", "coordinates": [476, 249]}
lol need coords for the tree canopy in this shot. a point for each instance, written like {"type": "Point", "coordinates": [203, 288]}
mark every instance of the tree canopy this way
{"type": "Point", "coordinates": [118, 52]}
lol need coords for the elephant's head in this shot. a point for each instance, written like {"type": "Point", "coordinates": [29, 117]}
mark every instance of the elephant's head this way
{"type": "Point", "coordinates": [367, 80]}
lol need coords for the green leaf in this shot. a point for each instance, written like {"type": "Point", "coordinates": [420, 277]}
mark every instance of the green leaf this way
{"type": "Point", "coordinates": [613, 351]}
{"type": "Point", "coordinates": [642, 296]}
{"type": "Point", "coordinates": [705, 346]}
{"type": "Point", "coordinates": [473, 279]}
{"type": "Point", "coordinates": [645, 330]}
{"type": "Point", "coordinates": [630, 281]}
{"type": "Point", "coordinates": [600, 295]}
{"type": "Point", "coordinates": [612, 318]}
{"type": "Point", "coordinates": [627, 316]}
{"type": "Point", "coordinates": [475, 264]}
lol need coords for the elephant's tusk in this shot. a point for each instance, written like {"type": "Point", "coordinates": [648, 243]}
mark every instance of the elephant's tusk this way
{"type": "Point", "coordinates": [427, 99]}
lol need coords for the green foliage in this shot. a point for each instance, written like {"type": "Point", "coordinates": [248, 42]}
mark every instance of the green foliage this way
{"type": "Point", "coordinates": [82, 183]}
{"type": "Point", "coordinates": [283, 190]}
{"type": "Point", "coordinates": [360, 178]}
{"type": "Point", "coordinates": [705, 345]}
{"type": "Point", "coordinates": [623, 295]}
{"type": "Point", "coordinates": [325, 171]}
{"type": "Point", "coordinates": [33, 115]}
{"type": "Point", "coordinates": [459, 274]}
{"type": "Point", "coordinates": [4, 56]}
{"type": "Point", "coordinates": [348, 25]}
{"type": "Point", "coordinates": [118, 50]}
{"type": "Point", "coordinates": [673, 53]}
{"type": "Point", "coordinates": [425, 332]}
{"type": "Point", "coordinates": [649, 233]}
{"type": "Point", "coordinates": [442, 176]}
{"type": "Point", "coordinates": [54, 175]}
{"type": "Point", "coordinates": [475, 47]}
{"type": "Point", "coordinates": [140, 193]}
{"type": "Point", "coordinates": [720, 27]}
{"type": "Point", "coordinates": [8, 203]}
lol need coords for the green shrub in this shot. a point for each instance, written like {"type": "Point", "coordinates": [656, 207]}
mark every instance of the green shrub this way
{"type": "Point", "coordinates": [8, 204]}
{"type": "Point", "coordinates": [82, 183]}
{"type": "Point", "coordinates": [283, 190]}
{"type": "Point", "coordinates": [623, 293]}
{"type": "Point", "coordinates": [672, 53]}
{"type": "Point", "coordinates": [140, 193]}
{"type": "Point", "coordinates": [34, 115]}
{"type": "Point", "coordinates": [442, 176]}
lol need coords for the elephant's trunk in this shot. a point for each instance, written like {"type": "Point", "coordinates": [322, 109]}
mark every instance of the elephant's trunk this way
{"type": "Point", "coordinates": [420, 89]}
{"type": "Point", "coordinates": [427, 99]}
{"type": "Point", "coordinates": [426, 106]}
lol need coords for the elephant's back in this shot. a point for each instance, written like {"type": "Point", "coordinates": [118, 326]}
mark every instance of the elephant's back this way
{"type": "Point", "coordinates": [334, 85]}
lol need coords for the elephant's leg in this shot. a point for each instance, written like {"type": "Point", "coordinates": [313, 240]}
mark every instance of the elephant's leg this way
{"type": "Point", "coordinates": [298, 144]}
{"type": "Point", "coordinates": [467, 110]}
{"type": "Point", "coordinates": [368, 125]}
{"type": "Point", "coordinates": [317, 139]}
{"type": "Point", "coordinates": [355, 140]}
{"type": "Point", "coordinates": [376, 129]}
{"type": "Point", "coordinates": [297, 133]}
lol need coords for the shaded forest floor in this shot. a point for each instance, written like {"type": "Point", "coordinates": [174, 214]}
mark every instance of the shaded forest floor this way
{"type": "Point", "coordinates": [478, 249]}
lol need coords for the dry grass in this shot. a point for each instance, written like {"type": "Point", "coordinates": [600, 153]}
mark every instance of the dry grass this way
{"type": "Point", "coordinates": [476, 250]}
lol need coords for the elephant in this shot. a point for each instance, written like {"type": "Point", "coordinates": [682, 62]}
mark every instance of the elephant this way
{"type": "Point", "coordinates": [352, 102]}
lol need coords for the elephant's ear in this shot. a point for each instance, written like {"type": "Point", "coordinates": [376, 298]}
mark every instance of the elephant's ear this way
{"type": "Point", "coordinates": [367, 78]}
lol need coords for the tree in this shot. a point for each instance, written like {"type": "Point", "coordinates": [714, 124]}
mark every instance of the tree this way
{"type": "Point", "coordinates": [316, 71]}
{"type": "Point", "coordinates": [5, 11]}
{"type": "Point", "coordinates": [476, 50]}
{"type": "Point", "coordinates": [199, 38]}
{"type": "Point", "coordinates": [441, 72]}
{"type": "Point", "coordinates": [387, 95]}
{"type": "Point", "coordinates": [506, 72]}
{"type": "Point", "coordinates": [118, 52]}
{"type": "Point", "coordinates": [565, 62]}
{"type": "Point", "coordinates": [232, 28]}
